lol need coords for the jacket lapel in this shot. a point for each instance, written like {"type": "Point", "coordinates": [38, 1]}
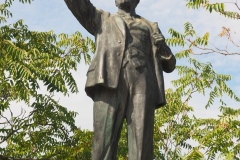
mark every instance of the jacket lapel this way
{"type": "Point", "coordinates": [120, 24]}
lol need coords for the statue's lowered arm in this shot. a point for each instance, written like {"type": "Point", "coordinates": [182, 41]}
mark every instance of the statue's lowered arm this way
{"type": "Point", "coordinates": [164, 52]}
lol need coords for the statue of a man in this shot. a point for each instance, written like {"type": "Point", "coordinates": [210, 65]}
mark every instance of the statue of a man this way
{"type": "Point", "coordinates": [125, 78]}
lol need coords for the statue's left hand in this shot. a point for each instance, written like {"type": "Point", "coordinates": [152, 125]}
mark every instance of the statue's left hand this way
{"type": "Point", "coordinates": [158, 39]}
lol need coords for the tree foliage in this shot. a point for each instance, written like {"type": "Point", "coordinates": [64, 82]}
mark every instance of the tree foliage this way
{"type": "Point", "coordinates": [181, 135]}
{"type": "Point", "coordinates": [31, 62]}
{"type": "Point", "coordinates": [218, 7]}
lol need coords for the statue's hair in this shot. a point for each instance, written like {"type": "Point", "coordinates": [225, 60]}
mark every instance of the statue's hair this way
{"type": "Point", "coordinates": [137, 1]}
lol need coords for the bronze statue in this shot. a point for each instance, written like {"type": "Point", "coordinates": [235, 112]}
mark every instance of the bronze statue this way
{"type": "Point", "coordinates": [125, 78]}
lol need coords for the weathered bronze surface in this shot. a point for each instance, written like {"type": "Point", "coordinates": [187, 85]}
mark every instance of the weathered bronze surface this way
{"type": "Point", "coordinates": [125, 78]}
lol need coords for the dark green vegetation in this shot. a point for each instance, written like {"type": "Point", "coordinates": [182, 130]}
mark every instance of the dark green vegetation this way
{"type": "Point", "coordinates": [29, 59]}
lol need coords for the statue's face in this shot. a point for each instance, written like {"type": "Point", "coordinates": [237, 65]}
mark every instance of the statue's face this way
{"type": "Point", "coordinates": [126, 3]}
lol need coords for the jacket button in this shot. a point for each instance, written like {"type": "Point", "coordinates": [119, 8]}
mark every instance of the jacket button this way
{"type": "Point", "coordinates": [119, 42]}
{"type": "Point", "coordinates": [118, 53]}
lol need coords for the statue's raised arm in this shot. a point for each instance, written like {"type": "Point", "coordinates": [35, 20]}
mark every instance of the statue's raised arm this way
{"type": "Point", "coordinates": [86, 14]}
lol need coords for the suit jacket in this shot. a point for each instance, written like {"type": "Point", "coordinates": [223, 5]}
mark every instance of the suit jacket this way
{"type": "Point", "coordinates": [110, 37]}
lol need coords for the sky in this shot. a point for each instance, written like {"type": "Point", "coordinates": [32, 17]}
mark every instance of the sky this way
{"type": "Point", "coordinates": [46, 15]}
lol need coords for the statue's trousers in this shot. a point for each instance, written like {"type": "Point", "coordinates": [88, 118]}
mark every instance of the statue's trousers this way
{"type": "Point", "coordinates": [135, 100]}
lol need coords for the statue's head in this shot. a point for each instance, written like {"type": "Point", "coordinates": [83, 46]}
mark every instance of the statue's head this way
{"type": "Point", "coordinates": [126, 3]}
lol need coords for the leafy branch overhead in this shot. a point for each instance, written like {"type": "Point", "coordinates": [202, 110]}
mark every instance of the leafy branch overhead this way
{"type": "Point", "coordinates": [216, 7]}
{"type": "Point", "coordinates": [199, 45]}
